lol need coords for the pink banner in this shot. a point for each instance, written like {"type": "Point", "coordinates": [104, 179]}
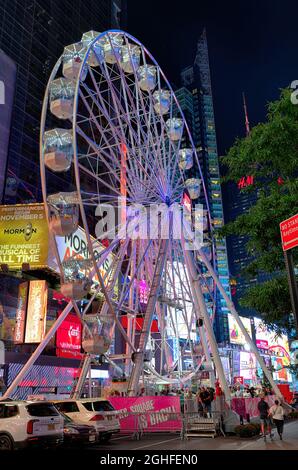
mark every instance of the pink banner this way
{"type": "Point", "coordinates": [244, 406]}
{"type": "Point", "coordinates": [158, 413]}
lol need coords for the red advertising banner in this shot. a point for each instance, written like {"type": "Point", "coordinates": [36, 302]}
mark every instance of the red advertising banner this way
{"type": "Point", "coordinates": [289, 233]}
{"type": "Point", "coordinates": [69, 338]}
{"type": "Point", "coordinates": [239, 380]}
{"type": "Point", "coordinates": [19, 329]}
{"type": "Point", "coordinates": [139, 324]}
{"type": "Point", "coordinates": [244, 406]}
{"type": "Point", "coordinates": [153, 413]}
{"type": "Point", "coordinates": [262, 344]}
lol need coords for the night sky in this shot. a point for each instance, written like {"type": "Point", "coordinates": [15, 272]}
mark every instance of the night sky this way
{"type": "Point", "coordinates": [253, 47]}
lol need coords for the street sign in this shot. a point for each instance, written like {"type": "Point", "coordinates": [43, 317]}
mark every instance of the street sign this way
{"type": "Point", "coordinates": [289, 233]}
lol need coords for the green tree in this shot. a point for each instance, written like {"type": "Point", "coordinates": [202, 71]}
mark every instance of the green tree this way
{"type": "Point", "coordinates": [270, 155]}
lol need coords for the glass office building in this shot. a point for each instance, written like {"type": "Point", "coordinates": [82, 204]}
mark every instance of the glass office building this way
{"type": "Point", "coordinates": [33, 34]}
{"type": "Point", "coordinates": [195, 98]}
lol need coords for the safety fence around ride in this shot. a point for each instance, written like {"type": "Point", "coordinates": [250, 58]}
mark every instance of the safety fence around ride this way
{"type": "Point", "coordinates": [140, 416]}
{"type": "Point", "coordinates": [183, 425]}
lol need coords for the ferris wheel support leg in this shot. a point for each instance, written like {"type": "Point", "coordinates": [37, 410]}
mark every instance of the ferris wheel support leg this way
{"type": "Point", "coordinates": [234, 313]}
{"type": "Point", "coordinates": [130, 318]}
{"type": "Point", "coordinates": [207, 354]}
{"type": "Point", "coordinates": [139, 355]}
{"type": "Point", "coordinates": [82, 378]}
{"type": "Point", "coordinates": [200, 307]}
{"type": "Point", "coordinates": [38, 351]}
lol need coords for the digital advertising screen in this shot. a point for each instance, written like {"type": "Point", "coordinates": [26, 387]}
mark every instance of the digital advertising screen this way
{"type": "Point", "coordinates": [236, 335]}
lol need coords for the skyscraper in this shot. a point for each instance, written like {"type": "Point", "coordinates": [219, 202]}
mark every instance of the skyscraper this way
{"type": "Point", "coordinates": [237, 201]}
{"type": "Point", "coordinates": [195, 98]}
{"type": "Point", "coordinates": [33, 34]}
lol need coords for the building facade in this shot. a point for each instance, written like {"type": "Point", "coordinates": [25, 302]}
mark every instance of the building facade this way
{"type": "Point", "coordinates": [32, 37]}
{"type": "Point", "coordinates": [195, 98]}
{"type": "Point", "coordinates": [33, 34]}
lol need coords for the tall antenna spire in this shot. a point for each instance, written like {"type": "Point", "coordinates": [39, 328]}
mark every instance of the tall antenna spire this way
{"type": "Point", "coordinates": [246, 115]}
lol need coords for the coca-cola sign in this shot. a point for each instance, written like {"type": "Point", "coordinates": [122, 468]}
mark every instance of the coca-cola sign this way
{"type": "Point", "coordinates": [69, 338]}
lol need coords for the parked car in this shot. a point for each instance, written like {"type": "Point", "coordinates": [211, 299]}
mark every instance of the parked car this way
{"type": "Point", "coordinates": [76, 433]}
{"type": "Point", "coordinates": [97, 412]}
{"type": "Point", "coordinates": [24, 424]}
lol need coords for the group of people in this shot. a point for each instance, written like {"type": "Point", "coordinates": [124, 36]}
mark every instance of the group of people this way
{"type": "Point", "coordinates": [239, 391]}
{"type": "Point", "coordinates": [205, 397]}
{"type": "Point", "coordinates": [275, 413]}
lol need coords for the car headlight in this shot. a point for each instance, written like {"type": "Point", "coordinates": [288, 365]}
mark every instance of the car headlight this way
{"type": "Point", "coordinates": [71, 431]}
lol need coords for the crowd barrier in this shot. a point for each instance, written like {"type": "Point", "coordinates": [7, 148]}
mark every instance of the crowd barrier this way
{"type": "Point", "coordinates": [248, 407]}
{"type": "Point", "coordinates": [138, 425]}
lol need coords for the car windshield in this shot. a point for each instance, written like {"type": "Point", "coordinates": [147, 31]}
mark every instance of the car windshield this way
{"type": "Point", "coordinates": [42, 409]}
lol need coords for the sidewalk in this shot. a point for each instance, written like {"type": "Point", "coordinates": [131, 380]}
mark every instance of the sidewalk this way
{"type": "Point", "coordinates": [289, 442]}
{"type": "Point", "coordinates": [172, 442]}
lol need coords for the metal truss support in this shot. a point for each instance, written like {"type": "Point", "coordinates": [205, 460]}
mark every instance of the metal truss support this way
{"type": "Point", "coordinates": [85, 368]}
{"type": "Point", "coordinates": [156, 280]}
{"type": "Point", "coordinates": [201, 311]}
{"type": "Point", "coordinates": [38, 351]}
{"type": "Point", "coordinates": [234, 313]}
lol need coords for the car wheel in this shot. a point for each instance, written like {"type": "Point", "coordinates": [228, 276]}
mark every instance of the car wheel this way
{"type": "Point", "coordinates": [6, 442]}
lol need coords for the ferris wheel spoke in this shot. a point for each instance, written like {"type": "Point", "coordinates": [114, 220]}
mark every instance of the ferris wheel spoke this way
{"type": "Point", "coordinates": [124, 153]}
{"type": "Point", "coordinates": [121, 112]}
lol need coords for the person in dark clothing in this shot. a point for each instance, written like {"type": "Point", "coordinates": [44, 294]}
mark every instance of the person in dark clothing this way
{"type": "Point", "coordinates": [263, 408]}
{"type": "Point", "coordinates": [206, 400]}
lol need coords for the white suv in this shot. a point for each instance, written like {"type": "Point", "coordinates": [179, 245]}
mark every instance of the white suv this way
{"type": "Point", "coordinates": [25, 423]}
{"type": "Point", "coordinates": [96, 411]}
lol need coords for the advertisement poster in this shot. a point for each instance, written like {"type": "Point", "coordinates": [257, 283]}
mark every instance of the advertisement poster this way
{"type": "Point", "coordinates": [238, 380]}
{"type": "Point", "coordinates": [69, 338]}
{"type": "Point", "coordinates": [236, 335]}
{"type": "Point", "coordinates": [281, 373]}
{"type": "Point", "coordinates": [262, 334]}
{"type": "Point", "coordinates": [19, 329]}
{"type": "Point", "coordinates": [36, 312]}
{"type": "Point", "coordinates": [148, 413]}
{"type": "Point", "coordinates": [248, 365]}
{"type": "Point", "coordinates": [23, 236]}
{"type": "Point", "coordinates": [75, 245]}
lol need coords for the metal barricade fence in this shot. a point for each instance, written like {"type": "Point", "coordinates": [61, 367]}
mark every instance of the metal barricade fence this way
{"type": "Point", "coordinates": [184, 425]}
{"type": "Point", "coordinates": [203, 423]}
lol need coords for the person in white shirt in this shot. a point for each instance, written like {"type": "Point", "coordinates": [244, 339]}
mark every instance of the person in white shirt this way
{"type": "Point", "coordinates": [278, 415]}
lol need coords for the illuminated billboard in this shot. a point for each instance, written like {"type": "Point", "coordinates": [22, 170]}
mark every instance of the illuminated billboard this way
{"type": "Point", "coordinates": [268, 339]}
{"type": "Point", "coordinates": [248, 365]}
{"type": "Point", "coordinates": [19, 329]}
{"type": "Point", "coordinates": [236, 335]}
{"type": "Point", "coordinates": [69, 338]}
{"type": "Point", "coordinates": [262, 334]}
{"type": "Point", "coordinates": [75, 245]}
{"type": "Point", "coordinates": [23, 236]}
{"type": "Point", "coordinates": [36, 312]}
{"type": "Point", "coordinates": [281, 373]}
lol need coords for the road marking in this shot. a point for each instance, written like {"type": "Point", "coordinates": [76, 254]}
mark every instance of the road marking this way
{"type": "Point", "coordinates": [157, 443]}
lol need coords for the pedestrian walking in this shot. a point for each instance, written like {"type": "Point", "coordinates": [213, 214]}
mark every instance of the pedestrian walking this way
{"type": "Point", "coordinates": [278, 415]}
{"type": "Point", "coordinates": [263, 408]}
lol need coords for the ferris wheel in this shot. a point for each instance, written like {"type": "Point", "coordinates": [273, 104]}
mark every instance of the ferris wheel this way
{"type": "Point", "coordinates": [112, 130]}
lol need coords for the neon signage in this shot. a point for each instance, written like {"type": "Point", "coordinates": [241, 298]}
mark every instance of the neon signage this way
{"type": "Point", "coordinates": [245, 181]}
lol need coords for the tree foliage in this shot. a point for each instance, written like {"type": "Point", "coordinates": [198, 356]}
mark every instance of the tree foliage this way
{"type": "Point", "coordinates": [270, 155]}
